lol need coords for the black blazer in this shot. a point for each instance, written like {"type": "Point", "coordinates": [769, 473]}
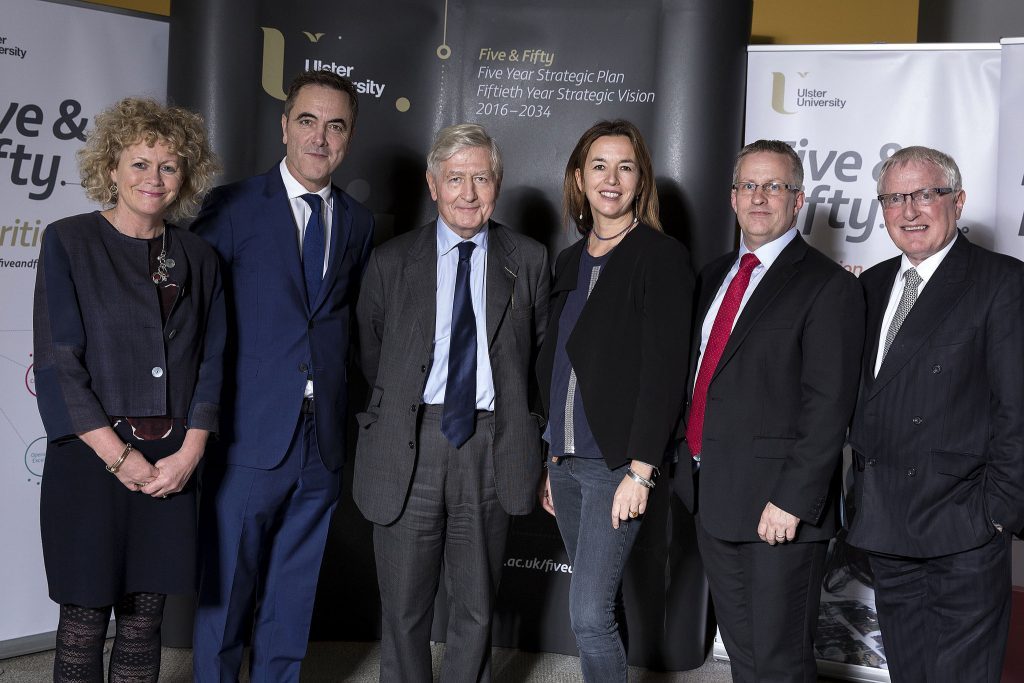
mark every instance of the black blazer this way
{"type": "Point", "coordinates": [938, 435]}
{"type": "Point", "coordinates": [629, 346]}
{"type": "Point", "coordinates": [100, 346]}
{"type": "Point", "coordinates": [780, 400]}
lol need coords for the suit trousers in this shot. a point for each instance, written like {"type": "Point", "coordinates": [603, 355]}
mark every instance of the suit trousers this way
{"type": "Point", "coordinates": [452, 516]}
{"type": "Point", "coordinates": [766, 602]}
{"type": "Point", "coordinates": [263, 535]}
{"type": "Point", "coordinates": [945, 618]}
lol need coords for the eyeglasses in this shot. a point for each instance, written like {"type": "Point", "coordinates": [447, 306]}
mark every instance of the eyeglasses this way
{"type": "Point", "coordinates": [773, 188]}
{"type": "Point", "coordinates": [924, 197]}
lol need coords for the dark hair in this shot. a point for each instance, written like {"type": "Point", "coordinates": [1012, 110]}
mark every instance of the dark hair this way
{"type": "Point", "coordinates": [324, 79]}
{"type": "Point", "coordinates": [574, 202]}
{"type": "Point", "coordinates": [772, 147]}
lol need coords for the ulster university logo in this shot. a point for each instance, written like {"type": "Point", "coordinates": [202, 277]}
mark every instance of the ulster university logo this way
{"type": "Point", "coordinates": [779, 92]}
{"type": "Point", "coordinates": [272, 77]}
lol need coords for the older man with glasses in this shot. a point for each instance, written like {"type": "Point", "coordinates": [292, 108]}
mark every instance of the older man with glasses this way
{"type": "Point", "coordinates": [938, 433]}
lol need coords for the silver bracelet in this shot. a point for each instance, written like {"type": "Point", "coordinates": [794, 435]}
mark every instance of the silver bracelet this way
{"type": "Point", "coordinates": [646, 483]}
{"type": "Point", "coordinates": [116, 466]}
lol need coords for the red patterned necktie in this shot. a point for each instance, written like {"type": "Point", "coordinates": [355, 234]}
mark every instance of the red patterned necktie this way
{"type": "Point", "coordinates": [720, 331]}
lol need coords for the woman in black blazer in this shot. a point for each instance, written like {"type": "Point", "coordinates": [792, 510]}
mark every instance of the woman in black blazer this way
{"type": "Point", "coordinates": [612, 373]}
{"type": "Point", "coordinates": [129, 327]}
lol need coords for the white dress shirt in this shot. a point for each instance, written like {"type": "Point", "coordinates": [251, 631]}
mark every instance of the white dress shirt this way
{"type": "Point", "coordinates": [766, 254]}
{"type": "Point", "coordinates": [925, 269]}
{"type": "Point", "coordinates": [302, 211]}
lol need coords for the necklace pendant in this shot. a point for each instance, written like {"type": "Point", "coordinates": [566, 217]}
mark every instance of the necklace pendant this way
{"type": "Point", "coordinates": [168, 262]}
{"type": "Point", "coordinates": [158, 278]}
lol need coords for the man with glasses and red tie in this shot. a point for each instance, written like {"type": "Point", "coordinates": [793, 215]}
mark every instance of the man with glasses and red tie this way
{"type": "Point", "coordinates": [938, 432]}
{"type": "Point", "coordinates": [773, 380]}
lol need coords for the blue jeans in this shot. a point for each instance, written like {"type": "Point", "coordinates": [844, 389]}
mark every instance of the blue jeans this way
{"type": "Point", "coordinates": [582, 490]}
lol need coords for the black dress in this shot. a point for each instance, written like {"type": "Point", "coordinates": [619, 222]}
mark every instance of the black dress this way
{"type": "Point", "coordinates": [102, 540]}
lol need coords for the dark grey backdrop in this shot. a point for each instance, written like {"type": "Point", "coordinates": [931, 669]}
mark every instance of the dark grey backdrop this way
{"type": "Point", "coordinates": [227, 60]}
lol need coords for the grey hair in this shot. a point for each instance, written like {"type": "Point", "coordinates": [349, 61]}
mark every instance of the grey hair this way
{"type": "Point", "coordinates": [773, 147]}
{"type": "Point", "coordinates": [927, 155]}
{"type": "Point", "coordinates": [458, 137]}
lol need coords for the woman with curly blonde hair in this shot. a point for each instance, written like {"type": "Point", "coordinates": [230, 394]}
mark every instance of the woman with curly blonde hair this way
{"type": "Point", "coordinates": [129, 328]}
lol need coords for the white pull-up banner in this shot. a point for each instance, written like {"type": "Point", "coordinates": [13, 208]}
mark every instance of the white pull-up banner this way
{"type": "Point", "coordinates": [59, 66]}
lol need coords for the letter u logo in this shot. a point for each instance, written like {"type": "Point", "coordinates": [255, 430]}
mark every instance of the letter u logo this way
{"type": "Point", "coordinates": [778, 91]}
{"type": "Point", "coordinates": [273, 62]}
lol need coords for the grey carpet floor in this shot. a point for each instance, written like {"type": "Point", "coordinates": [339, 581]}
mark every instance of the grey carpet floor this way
{"type": "Point", "coordinates": [357, 662]}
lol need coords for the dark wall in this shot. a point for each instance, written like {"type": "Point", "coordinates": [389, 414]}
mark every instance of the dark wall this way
{"type": "Point", "coordinates": [969, 21]}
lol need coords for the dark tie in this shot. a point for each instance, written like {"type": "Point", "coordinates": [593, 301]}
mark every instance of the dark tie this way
{"type": "Point", "coordinates": [459, 417]}
{"type": "Point", "coordinates": [313, 247]}
{"type": "Point", "coordinates": [720, 331]}
{"type": "Point", "coordinates": [911, 282]}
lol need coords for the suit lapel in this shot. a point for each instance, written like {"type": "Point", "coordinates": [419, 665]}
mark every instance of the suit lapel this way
{"type": "Point", "coordinates": [944, 289]}
{"type": "Point", "coordinates": [502, 272]}
{"type": "Point", "coordinates": [711, 282]}
{"type": "Point", "coordinates": [282, 240]}
{"type": "Point", "coordinates": [772, 283]}
{"type": "Point", "coordinates": [877, 298]}
{"type": "Point", "coordinates": [421, 282]}
{"type": "Point", "coordinates": [341, 230]}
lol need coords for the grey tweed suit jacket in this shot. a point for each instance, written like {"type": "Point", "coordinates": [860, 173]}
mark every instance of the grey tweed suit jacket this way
{"type": "Point", "coordinates": [396, 315]}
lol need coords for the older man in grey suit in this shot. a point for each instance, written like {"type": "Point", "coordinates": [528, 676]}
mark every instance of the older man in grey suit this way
{"type": "Point", "coordinates": [450, 317]}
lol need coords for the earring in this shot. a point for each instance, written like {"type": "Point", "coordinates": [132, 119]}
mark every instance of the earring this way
{"type": "Point", "coordinates": [113, 190]}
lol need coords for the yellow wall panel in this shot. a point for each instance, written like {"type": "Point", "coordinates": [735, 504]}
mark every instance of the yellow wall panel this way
{"type": "Point", "coordinates": [793, 22]}
{"type": "Point", "coordinates": [152, 6]}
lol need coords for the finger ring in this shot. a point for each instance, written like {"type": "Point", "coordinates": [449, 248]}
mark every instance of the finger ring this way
{"type": "Point", "coordinates": [164, 496]}
{"type": "Point", "coordinates": [633, 514]}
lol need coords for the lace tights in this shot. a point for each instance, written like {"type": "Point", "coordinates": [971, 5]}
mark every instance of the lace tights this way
{"type": "Point", "coordinates": [135, 656]}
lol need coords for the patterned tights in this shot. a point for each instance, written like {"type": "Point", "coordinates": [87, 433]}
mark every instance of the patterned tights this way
{"type": "Point", "coordinates": [135, 655]}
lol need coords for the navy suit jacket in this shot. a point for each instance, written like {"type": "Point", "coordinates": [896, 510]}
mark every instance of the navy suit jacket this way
{"type": "Point", "coordinates": [938, 435]}
{"type": "Point", "coordinates": [275, 334]}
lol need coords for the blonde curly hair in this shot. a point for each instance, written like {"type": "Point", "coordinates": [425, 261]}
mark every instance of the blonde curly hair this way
{"type": "Point", "coordinates": [135, 120]}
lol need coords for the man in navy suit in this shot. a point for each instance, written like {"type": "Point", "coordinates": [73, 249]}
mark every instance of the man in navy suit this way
{"type": "Point", "coordinates": [294, 247]}
{"type": "Point", "coordinates": [938, 433]}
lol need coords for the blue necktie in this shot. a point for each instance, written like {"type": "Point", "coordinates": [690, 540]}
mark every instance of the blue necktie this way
{"type": "Point", "coordinates": [313, 247]}
{"type": "Point", "coordinates": [459, 418]}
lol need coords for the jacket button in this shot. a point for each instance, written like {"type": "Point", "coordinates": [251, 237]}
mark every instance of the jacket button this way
{"type": "Point", "coordinates": [423, 368]}
{"type": "Point", "coordinates": [303, 367]}
{"type": "Point", "coordinates": [412, 445]}
{"type": "Point", "coordinates": [157, 372]}
{"type": "Point", "coordinates": [872, 462]}
{"type": "Point", "coordinates": [917, 419]}
{"type": "Point", "coordinates": [412, 408]}
{"type": "Point", "coordinates": [170, 335]}
{"type": "Point", "coordinates": [911, 471]}
{"type": "Point", "coordinates": [936, 369]}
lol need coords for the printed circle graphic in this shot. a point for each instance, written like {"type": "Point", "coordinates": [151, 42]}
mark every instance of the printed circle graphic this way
{"type": "Point", "coordinates": [444, 51]}
{"type": "Point", "coordinates": [30, 379]}
{"type": "Point", "coordinates": [402, 104]}
{"type": "Point", "coordinates": [35, 456]}
{"type": "Point", "coordinates": [359, 189]}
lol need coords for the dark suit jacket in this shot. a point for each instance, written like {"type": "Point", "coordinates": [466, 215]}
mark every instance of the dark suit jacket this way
{"type": "Point", "coordinates": [396, 313]}
{"type": "Point", "coordinates": [275, 334]}
{"type": "Point", "coordinates": [101, 347]}
{"type": "Point", "coordinates": [780, 400]}
{"type": "Point", "coordinates": [629, 346]}
{"type": "Point", "coordinates": [938, 436]}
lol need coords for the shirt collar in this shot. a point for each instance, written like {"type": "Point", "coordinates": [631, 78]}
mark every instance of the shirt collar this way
{"type": "Point", "coordinates": [447, 239]}
{"type": "Point", "coordinates": [295, 189]}
{"type": "Point", "coordinates": [767, 253]}
{"type": "Point", "coordinates": [927, 267]}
